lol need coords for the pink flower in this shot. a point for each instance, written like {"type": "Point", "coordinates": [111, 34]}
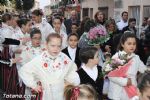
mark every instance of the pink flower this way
{"type": "Point", "coordinates": [65, 62]}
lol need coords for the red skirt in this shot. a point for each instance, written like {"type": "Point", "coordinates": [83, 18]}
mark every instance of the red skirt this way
{"type": "Point", "coordinates": [10, 83]}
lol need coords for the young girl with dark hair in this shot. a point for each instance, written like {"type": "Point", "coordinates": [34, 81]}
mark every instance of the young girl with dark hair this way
{"type": "Point", "coordinates": [126, 46]}
{"type": "Point", "coordinates": [41, 24]}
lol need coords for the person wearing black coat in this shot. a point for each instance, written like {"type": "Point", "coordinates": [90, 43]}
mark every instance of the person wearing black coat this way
{"type": "Point", "coordinates": [90, 73]}
{"type": "Point", "coordinates": [72, 51]}
{"type": "Point", "coordinates": [131, 26]}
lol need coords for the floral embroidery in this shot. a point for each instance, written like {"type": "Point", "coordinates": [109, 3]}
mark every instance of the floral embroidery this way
{"type": "Point", "coordinates": [45, 65]}
{"type": "Point", "coordinates": [27, 48]}
{"type": "Point", "coordinates": [65, 62]}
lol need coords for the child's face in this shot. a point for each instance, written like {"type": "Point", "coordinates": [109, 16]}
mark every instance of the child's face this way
{"type": "Point", "coordinates": [57, 24]}
{"type": "Point", "coordinates": [27, 27]}
{"type": "Point", "coordinates": [74, 28]}
{"type": "Point", "coordinates": [36, 18]}
{"type": "Point", "coordinates": [54, 46]}
{"type": "Point", "coordinates": [129, 45]}
{"type": "Point", "coordinates": [145, 95]}
{"type": "Point", "coordinates": [36, 40]}
{"type": "Point", "coordinates": [95, 60]}
{"type": "Point", "coordinates": [73, 41]}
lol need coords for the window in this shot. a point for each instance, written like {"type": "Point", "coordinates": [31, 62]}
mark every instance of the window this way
{"type": "Point", "coordinates": [85, 12]}
{"type": "Point", "coordinates": [104, 10]}
{"type": "Point", "coordinates": [134, 12]}
{"type": "Point", "coordinates": [146, 11]}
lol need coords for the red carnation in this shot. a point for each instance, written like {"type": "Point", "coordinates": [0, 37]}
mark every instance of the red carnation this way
{"type": "Point", "coordinates": [27, 48]}
{"type": "Point", "coordinates": [65, 62]}
{"type": "Point", "coordinates": [45, 65]}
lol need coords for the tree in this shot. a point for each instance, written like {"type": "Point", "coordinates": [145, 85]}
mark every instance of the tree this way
{"type": "Point", "coordinates": [24, 4]}
{"type": "Point", "coordinates": [3, 2]}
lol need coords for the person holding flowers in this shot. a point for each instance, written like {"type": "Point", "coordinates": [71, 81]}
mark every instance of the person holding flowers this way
{"type": "Point", "coordinates": [125, 65]}
{"type": "Point", "coordinates": [94, 36]}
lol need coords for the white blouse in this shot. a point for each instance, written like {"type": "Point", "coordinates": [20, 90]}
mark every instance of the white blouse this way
{"type": "Point", "coordinates": [45, 29]}
{"type": "Point", "coordinates": [116, 87]}
{"type": "Point", "coordinates": [52, 72]}
{"type": "Point", "coordinates": [92, 72]}
{"type": "Point", "coordinates": [72, 53]}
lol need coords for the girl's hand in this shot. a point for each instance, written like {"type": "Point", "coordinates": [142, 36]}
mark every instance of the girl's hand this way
{"type": "Point", "coordinates": [129, 82]}
{"type": "Point", "coordinates": [38, 89]}
{"type": "Point", "coordinates": [16, 60]}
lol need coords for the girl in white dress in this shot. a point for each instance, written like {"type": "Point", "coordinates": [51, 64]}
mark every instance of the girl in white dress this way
{"type": "Point", "coordinates": [52, 68]}
{"type": "Point", "coordinates": [22, 35]}
{"type": "Point", "coordinates": [31, 51]}
{"type": "Point", "coordinates": [44, 26]}
{"type": "Point", "coordinates": [57, 22]}
{"type": "Point", "coordinates": [116, 87]}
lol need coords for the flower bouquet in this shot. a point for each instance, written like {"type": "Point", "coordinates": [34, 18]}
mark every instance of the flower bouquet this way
{"type": "Point", "coordinates": [118, 67]}
{"type": "Point", "coordinates": [97, 35]}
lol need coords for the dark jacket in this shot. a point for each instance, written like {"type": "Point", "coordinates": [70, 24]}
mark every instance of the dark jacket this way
{"type": "Point", "coordinates": [86, 79]}
{"type": "Point", "coordinates": [77, 60]}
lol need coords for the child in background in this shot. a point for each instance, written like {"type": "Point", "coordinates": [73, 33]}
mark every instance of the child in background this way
{"type": "Point", "coordinates": [52, 68]}
{"type": "Point", "coordinates": [72, 51]}
{"type": "Point", "coordinates": [80, 92]}
{"type": "Point", "coordinates": [144, 86]}
{"type": "Point", "coordinates": [34, 49]}
{"type": "Point", "coordinates": [90, 72]}
{"type": "Point", "coordinates": [31, 51]}
{"type": "Point", "coordinates": [57, 22]}
{"type": "Point", "coordinates": [117, 84]}
{"type": "Point", "coordinates": [74, 28]}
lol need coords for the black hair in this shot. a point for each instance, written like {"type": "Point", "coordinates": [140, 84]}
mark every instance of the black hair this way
{"type": "Point", "coordinates": [73, 34]}
{"type": "Point", "coordinates": [74, 24]}
{"type": "Point", "coordinates": [124, 13]}
{"type": "Point", "coordinates": [6, 17]}
{"type": "Point", "coordinates": [34, 31]}
{"type": "Point", "coordinates": [21, 22]}
{"type": "Point", "coordinates": [89, 24]}
{"type": "Point", "coordinates": [57, 17]}
{"type": "Point", "coordinates": [144, 81]}
{"type": "Point", "coordinates": [87, 53]}
{"type": "Point", "coordinates": [37, 12]}
{"type": "Point", "coordinates": [0, 21]}
{"type": "Point", "coordinates": [132, 20]}
{"type": "Point", "coordinates": [124, 37]}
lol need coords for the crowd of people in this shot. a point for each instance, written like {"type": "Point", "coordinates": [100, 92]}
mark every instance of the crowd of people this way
{"type": "Point", "coordinates": [52, 58]}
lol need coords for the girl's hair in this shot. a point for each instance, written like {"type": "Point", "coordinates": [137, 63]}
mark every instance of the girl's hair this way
{"type": "Point", "coordinates": [81, 91]}
{"type": "Point", "coordinates": [53, 35]}
{"type": "Point", "coordinates": [124, 37]}
{"type": "Point", "coordinates": [131, 20]}
{"type": "Point", "coordinates": [59, 18]}
{"type": "Point", "coordinates": [21, 22]}
{"type": "Point", "coordinates": [81, 27]}
{"type": "Point", "coordinates": [6, 17]}
{"type": "Point", "coordinates": [74, 24]}
{"type": "Point", "coordinates": [144, 82]}
{"type": "Point", "coordinates": [73, 34]}
{"type": "Point", "coordinates": [37, 12]}
{"type": "Point", "coordinates": [89, 24]}
{"type": "Point", "coordinates": [95, 16]}
{"type": "Point", "coordinates": [34, 31]}
{"type": "Point", "coordinates": [109, 22]}
{"type": "Point", "coordinates": [87, 53]}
